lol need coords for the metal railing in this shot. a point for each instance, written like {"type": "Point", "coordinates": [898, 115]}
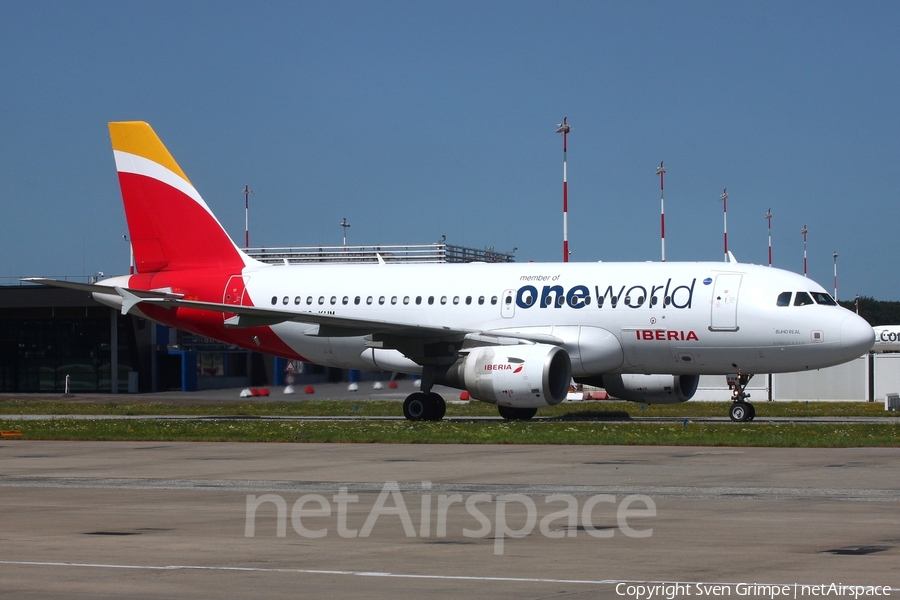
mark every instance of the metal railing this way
{"type": "Point", "coordinates": [410, 253]}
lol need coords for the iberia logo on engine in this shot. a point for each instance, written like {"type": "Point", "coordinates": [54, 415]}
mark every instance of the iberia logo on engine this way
{"type": "Point", "coordinates": [663, 335]}
{"type": "Point", "coordinates": [504, 367]}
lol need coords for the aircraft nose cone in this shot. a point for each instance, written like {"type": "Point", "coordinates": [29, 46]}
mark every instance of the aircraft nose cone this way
{"type": "Point", "coordinates": [857, 337]}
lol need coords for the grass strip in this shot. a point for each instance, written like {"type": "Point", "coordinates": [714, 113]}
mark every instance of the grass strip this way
{"type": "Point", "coordinates": [394, 408]}
{"type": "Point", "coordinates": [787, 435]}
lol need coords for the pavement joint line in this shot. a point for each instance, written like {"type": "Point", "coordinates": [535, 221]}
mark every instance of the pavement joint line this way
{"type": "Point", "coordinates": [398, 575]}
{"type": "Point", "coordinates": [462, 419]}
{"type": "Point", "coordinates": [531, 489]}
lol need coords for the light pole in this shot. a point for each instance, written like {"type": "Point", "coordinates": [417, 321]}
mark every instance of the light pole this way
{"type": "Point", "coordinates": [661, 171]}
{"type": "Point", "coordinates": [724, 199]}
{"type": "Point", "coordinates": [804, 231]}
{"type": "Point", "coordinates": [130, 255]}
{"type": "Point", "coordinates": [564, 129]}
{"type": "Point", "coordinates": [247, 192]}
{"type": "Point", "coordinates": [835, 275]}
{"type": "Point", "coordinates": [345, 225]}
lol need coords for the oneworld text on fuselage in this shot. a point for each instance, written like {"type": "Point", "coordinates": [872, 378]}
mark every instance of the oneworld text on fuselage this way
{"type": "Point", "coordinates": [664, 295]}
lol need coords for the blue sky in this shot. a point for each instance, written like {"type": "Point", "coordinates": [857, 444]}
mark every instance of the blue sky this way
{"type": "Point", "coordinates": [422, 119]}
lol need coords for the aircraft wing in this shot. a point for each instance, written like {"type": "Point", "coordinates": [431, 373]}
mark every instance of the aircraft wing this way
{"type": "Point", "coordinates": [328, 325]}
{"type": "Point", "coordinates": [421, 343]}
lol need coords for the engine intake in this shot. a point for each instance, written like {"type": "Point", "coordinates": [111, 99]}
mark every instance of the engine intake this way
{"type": "Point", "coordinates": [652, 389]}
{"type": "Point", "coordinates": [521, 376]}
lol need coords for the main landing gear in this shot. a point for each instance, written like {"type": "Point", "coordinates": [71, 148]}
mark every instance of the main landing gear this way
{"type": "Point", "coordinates": [741, 410]}
{"type": "Point", "coordinates": [425, 405]}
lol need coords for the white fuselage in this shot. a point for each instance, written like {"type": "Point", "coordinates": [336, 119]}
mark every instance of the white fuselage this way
{"type": "Point", "coordinates": [679, 318]}
{"type": "Point", "coordinates": [887, 338]}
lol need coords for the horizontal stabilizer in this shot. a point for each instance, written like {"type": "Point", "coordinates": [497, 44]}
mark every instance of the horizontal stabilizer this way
{"type": "Point", "coordinates": [99, 288]}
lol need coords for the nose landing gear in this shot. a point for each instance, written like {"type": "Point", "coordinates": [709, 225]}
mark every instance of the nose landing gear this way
{"type": "Point", "coordinates": [741, 410]}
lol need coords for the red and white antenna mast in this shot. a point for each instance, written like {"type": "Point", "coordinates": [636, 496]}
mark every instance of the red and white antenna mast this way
{"type": "Point", "coordinates": [769, 219]}
{"type": "Point", "coordinates": [835, 275]}
{"type": "Point", "coordinates": [661, 171]}
{"type": "Point", "coordinates": [804, 231]}
{"type": "Point", "coordinates": [724, 199]}
{"type": "Point", "coordinates": [247, 192]}
{"type": "Point", "coordinates": [564, 129]}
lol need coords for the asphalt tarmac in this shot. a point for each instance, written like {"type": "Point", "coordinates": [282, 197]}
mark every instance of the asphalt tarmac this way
{"type": "Point", "coordinates": [234, 520]}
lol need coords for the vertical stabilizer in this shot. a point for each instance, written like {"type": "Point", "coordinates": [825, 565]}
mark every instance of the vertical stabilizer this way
{"type": "Point", "coordinates": [170, 226]}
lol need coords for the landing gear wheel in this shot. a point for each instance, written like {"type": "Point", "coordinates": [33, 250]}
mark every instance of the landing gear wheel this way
{"type": "Point", "coordinates": [422, 406]}
{"type": "Point", "coordinates": [415, 407]}
{"type": "Point", "coordinates": [437, 407]}
{"type": "Point", "coordinates": [742, 411]}
{"type": "Point", "coordinates": [516, 414]}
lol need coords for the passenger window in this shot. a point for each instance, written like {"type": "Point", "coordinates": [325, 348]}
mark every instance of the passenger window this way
{"type": "Point", "coordinates": [455, 299]}
{"type": "Point", "coordinates": [345, 300]}
{"type": "Point", "coordinates": [430, 299]}
{"type": "Point", "coordinates": [405, 299]}
{"type": "Point", "coordinates": [321, 299]}
{"type": "Point", "coordinates": [285, 300]}
{"type": "Point", "coordinates": [356, 300]}
{"type": "Point", "coordinates": [274, 300]}
{"type": "Point", "coordinates": [418, 299]}
{"type": "Point", "coordinates": [334, 300]}
{"type": "Point", "coordinates": [393, 299]}
{"type": "Point", "coordinates": [802, 299]}
{"type": "Point", "coordinates": [784, 299]}
{"type": "Point", "coordinates": [493, 299]}
{"type": "Point", "coordinates": [480, 299]}
{"type": "Point", "coordinates": [369, 300]}
{"type": "Point", "coordinates": [528, 299]}
{"type": "Point", "coordinates": [381, 300]}
{"type": "Point", "coordinates": [468, 299]}
{"type": "Point", "coordinates": [309, 299]}
{"type": "Point", "coordinates": [443, 299]}
{"type": "Point", "coordinates": [297, 300]}
{"type": "Point", "coordinates": [823, 298]}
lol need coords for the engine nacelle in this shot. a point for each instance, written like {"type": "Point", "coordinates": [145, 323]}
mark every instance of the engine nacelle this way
{"type": "Point", "coordinates": [652, 389]}
{"type": "Point", "coordinates": [521, 376]}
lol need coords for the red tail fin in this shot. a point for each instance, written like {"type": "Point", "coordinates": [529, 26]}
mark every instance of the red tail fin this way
{"type": "Point", "coordinates": [171, 226]}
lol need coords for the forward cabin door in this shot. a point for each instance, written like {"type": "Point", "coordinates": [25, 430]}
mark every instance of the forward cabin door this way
{"type": "Point", "coordinates": [723, 315]}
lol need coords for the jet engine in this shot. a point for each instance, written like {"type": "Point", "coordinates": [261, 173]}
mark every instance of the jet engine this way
{"type": "Point", "coordinates": [652, 389]}
{"type": "Point", "coordinates": [520, 376]}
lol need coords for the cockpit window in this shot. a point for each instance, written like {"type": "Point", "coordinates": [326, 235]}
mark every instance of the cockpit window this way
{"type": "Point", "coordinates": [784, 299]}
{"type": "Point", "coordinates": [802, 299]}
{"type": "Point", "coordinates": [823, 298]}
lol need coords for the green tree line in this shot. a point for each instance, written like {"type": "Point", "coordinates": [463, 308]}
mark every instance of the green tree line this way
{"type": "Point", "coordinates": [876, 312]}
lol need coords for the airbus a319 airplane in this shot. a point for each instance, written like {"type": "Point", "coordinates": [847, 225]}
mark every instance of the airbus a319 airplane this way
{"type": "Point", "coordinates": [510, 334]}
